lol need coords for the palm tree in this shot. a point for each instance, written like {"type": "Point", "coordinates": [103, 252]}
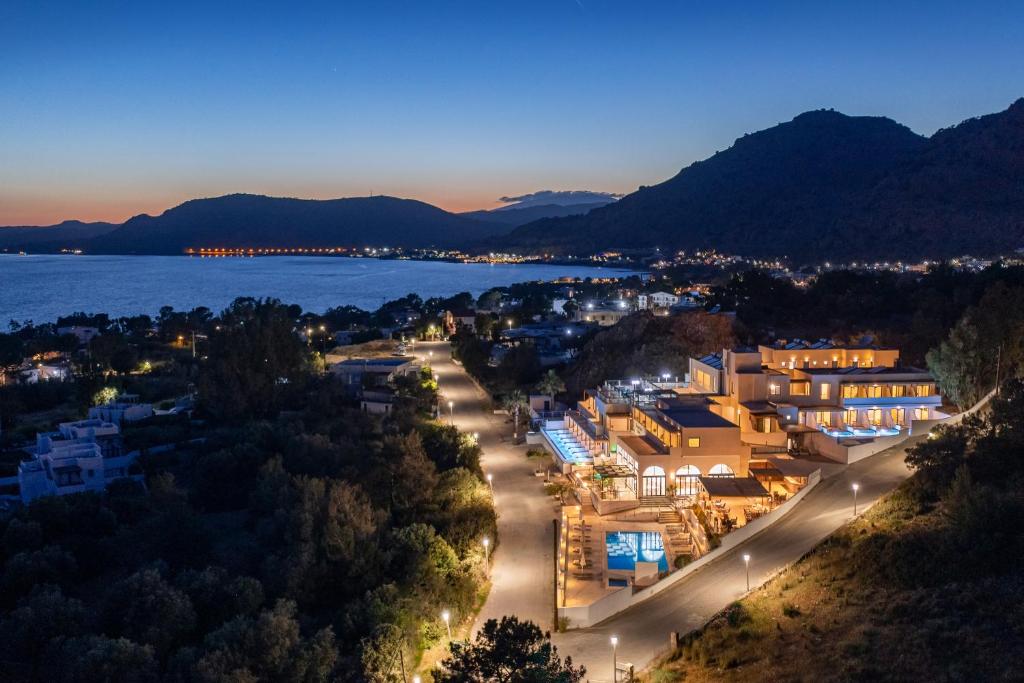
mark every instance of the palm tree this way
{"type": "Point", "coordinates": [550, 384]}
{"type": "Point", "coordinates": [514, 403]}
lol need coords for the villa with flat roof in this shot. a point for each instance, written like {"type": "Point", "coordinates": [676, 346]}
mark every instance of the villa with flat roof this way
{"type": "Point", "coordinates": [642, 442]}
{"type": "Point", "coordinates": [816, 396]}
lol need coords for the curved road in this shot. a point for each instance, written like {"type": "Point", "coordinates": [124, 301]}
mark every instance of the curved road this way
{"type": "Point", "coordinates": [522, 572]}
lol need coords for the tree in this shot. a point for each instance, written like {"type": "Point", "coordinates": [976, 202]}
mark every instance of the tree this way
{"type": "Point", "coordinates": [551, 384]}
{"type": "Point", "coordinates": [510, 651]}
{"type": "Point", "coordinates": [146, 609]}
{"type": "Point", "coordinates": [515, 403]}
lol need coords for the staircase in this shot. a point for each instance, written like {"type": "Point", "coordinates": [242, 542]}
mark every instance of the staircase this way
{"type": "Point", "coordinates": [669, 516]}
{"type": "Point", "coordinates": [649, 502]}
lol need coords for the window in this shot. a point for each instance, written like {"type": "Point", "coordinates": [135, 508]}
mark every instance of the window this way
{"type": "Point", "coordinates": [874, 391]}
{"type": "Point", "coordinates": [924, 390]}
{"type": "Point", "coordinates": [920, 413]}
{"type": "Point", "coordinates": [693, 442]}
{"type": "Point", "coordinates": [825, 391]}
{"type": "Point", "coordinates": [799, 388]}
{"type": "Point", "coordinates": [850, 391]}
{"type": "Point", "coordinates": [898, 416]}
{"type": "Point", "coordinates": [898, 390]}
{"type": "Point", "coordinates": [875, 416]}
{"type": "Point", "coordinates": [774, 389]}
{"type": "Point", "coordinates": [850, 417]}
{"type": "Point", "coordinates": [764, 425]}
{"type": "Point", "coordinates": [687, 480]}
{"type": "Point", "coordinates": [721, 471]}
{"type": "Point", "coordinates": [824, 417]}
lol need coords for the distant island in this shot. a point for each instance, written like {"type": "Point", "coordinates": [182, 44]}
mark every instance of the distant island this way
{"type": "Point", "coordinates": [822, 186]}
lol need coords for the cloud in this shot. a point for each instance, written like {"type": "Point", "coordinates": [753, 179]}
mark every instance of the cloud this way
{"type": "Point", "coordinates": [560, 197]}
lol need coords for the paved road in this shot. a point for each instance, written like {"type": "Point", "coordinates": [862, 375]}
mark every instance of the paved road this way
{"type": "Point", "coordinates": [522, 571]}
{"type": "Point", "coordinates": [643, 630]}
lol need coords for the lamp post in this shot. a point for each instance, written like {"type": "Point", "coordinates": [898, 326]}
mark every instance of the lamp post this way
{"type": "Point", "coordinates": [323, 342]}
{"type": "Point", "coordinates": [855, 487]}
{"type": "Point", "coordinates": [446, 616]}
{"type": "Point", "coordinates": [510, 323]}
{"type": "Point", "coordinates": [451, 412]}
{"type": "Point", "coordinates": [417, 679]}
{"type": "Point", "coordinates": [490, 481]}
{"type": "Point", "coordinates": [746, 562]}
{"type": "Point", "coordinates": [615, 658]}
{"type": "Point", "coordinates": [487, 556]}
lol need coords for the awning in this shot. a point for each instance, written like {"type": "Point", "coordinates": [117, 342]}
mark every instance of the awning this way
{"type": "Point", "coordinates": [614, 472]}
{"type": "Point", "coordinates": [733, 487]}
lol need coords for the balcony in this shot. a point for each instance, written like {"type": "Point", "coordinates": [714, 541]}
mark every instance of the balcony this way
{"type": "Point", "coordinates": [891, 401]}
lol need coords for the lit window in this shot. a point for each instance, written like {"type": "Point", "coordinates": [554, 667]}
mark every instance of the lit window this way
{"type": "Point", "coordinates": [825, 392]}
{"type": "Point", "coordinates": [774, 389]}
{"type": "Point", "coordinates": [693, 442]}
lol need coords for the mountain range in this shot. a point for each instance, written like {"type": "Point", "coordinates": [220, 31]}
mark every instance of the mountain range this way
{"type": "Point", "coordinates": [823, 186]}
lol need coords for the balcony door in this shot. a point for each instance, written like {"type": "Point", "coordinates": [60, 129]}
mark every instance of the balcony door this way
{"type": "Point", "coordinates": [653, 481]}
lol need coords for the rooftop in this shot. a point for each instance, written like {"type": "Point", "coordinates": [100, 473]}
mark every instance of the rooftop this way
{"type": "Point", "coordinates": [874, 370]}
{"type": "Point", "coordinates": [639, 445]}
{"type": "Point", "coordinates": [374, 362]}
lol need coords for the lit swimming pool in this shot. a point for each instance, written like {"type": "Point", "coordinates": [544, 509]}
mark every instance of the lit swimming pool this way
{"type": "Point", "coordinates": [626, 548]}
{"type": "Point", "coordinates": [569, 448]}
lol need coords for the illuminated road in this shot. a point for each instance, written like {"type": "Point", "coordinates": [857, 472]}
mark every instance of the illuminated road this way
{"type": "Point", "coordinates": [522, 566]}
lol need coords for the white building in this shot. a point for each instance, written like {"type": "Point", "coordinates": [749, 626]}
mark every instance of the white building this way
{"type": "Point", "coordinates": [81, 456]}
{"type": "Point", "coordinates": [651, 300]}
{"type": "Point", "coordinates": [125, 408]}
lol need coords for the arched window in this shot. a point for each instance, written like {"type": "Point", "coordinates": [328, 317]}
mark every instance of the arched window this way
{"type": "Point", "coordinates": [721, 471]}
{"type": "Point", "coordinates": [687, 480]}
{"type": "Point", "coordinates": [653, 481]}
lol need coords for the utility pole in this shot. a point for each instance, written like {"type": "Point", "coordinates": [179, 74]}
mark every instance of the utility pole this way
{"type": "Point", "coordinates": [999, 358]}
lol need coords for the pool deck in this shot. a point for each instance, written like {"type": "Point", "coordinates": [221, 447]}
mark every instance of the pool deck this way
{"type": "Point", "coordinates": [586, 591]}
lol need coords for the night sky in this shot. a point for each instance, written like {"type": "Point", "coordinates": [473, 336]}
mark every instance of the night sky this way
{"type": "Point", "coordinates": [112, 109]}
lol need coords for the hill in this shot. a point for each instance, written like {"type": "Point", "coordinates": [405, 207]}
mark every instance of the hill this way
{"type": "Point", "coordinates": [244, 220]}
{"type": "Point", "coordinates": [824, 185]}
{"type": "Point", "coordinates": [68, 233]}
{"type": "Point", "coordinates": [521, 216]}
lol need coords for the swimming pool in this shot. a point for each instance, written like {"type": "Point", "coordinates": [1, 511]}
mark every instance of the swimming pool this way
{"type": "Point", "coordinates": [626, 548]}
{"type": "Point", "coordinates": [568, 446]}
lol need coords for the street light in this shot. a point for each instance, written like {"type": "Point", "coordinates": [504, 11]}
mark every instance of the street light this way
{"type": "Point", "coordinates": [451, 412]}
{"type": "Point", "coordinates": [855, 487]}
{"type": "Point", "coordinates": [746, 561]}
{"type": "Point", "coordinates": [446, 615]}
{"type": "Point", "coordinates": [490, 481]}
{"type": "Point", "coordinates": [417, 679]}
{"type": "Point", "coordinates": [510, 323]}
{"type": "Point", "coordinates": [615, 658]}
{"type": "Point", "coordinates": [487, 555]}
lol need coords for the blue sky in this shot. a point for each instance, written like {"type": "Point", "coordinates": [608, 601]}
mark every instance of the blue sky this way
{"type": "Point", "coordinates": [110, 109]}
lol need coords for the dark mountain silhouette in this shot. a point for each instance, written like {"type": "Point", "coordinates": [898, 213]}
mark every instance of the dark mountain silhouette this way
{"type": "Point", "coordinates": [51, 237]}
{"type": "Point", "coordinates": [515, 217]}
{"type": "Point", "coordinates": [244, 220]}
{"type": "Point", "coordinates": [824, 185]}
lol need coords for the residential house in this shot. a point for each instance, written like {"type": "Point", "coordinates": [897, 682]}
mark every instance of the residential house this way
{"type": "Point", "coordinates": [359, 374]}
{"type": "Point", "coordinates": [79, 457]}
{"type": "Point", "coordinates": [650, 301]}
{"type": "Point", "coordinates": [124, 408]}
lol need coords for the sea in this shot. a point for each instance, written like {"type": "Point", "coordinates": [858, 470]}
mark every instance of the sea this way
{"type": "Point", "coordinates": [41, 288]}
